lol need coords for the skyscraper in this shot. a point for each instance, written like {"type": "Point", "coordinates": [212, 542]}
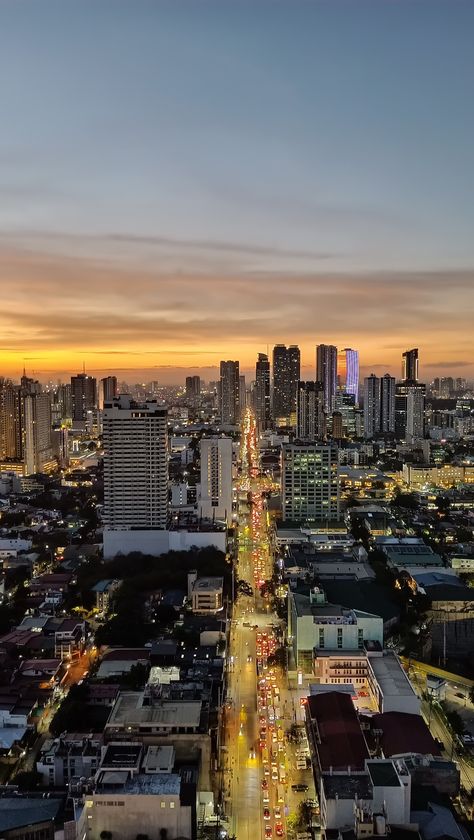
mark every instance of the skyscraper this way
{"type": "Point", "coordinates": [193, 387]}
{"type": "Point", "coordinates": [107, 390]}
{"type": "Point", "coordinates": [371, 406]}
{"type": "Point", "coordinates": [310, 414]}
{"type": "Point", "coordinates": [415, 423]}
{"type": "Point", "coordinates": [286, 374]}
{"type": "Point", "coordinates": [135, 470]}
{"type": "Point", "coordinates": [83, 395]}
{"type": "Point", "coordinates": [11, 441]}
{"type": "Point", "coordinates": [216, 478]}
{"type": "Point", "coordinates": [348, 372]}
{"type": "Point", "coordinates": [242, 393]}
{"type": "Point", "coordinates": [326, 371]}
{"type": "Point", "coordinates": [229, 393]}
{"type": "Point", "coordinates": [310, 482]}
{"type": "Point", "coordinates": [37, 433]}
{"type": "Point", "coordinates": [262, 391]}
{"type": "Point", "coordinates": [410, 365]}
{"type": "Point", "coordinates": [387, 404]}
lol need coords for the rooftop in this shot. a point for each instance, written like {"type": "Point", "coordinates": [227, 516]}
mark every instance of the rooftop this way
{"type": "Point", "coordinates": [130, 711]}
{"type": "Point", "coordinates": [165, 784]}
{"type": "Point", "coordinates": [204, 583]}
{"type": "Point", "coordinates": [347, 787]}
{"type": "Point", "coordinates": [337, 732]}
{"type": "Point", "coordinates": [390, 675]}
{"type": "Point", "coordinates": [383, 773]}
{"type": "Point", "coordinates": [404, 733]}
{"type": "Point", "coordinates": [20, 811]}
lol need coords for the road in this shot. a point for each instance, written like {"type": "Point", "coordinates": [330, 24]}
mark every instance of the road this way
{"type": "Point", "coordinates": [258, 763]}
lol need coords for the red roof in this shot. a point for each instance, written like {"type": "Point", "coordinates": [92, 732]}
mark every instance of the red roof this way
{"type": "Point", "coordinates": [336, 731]}
{"type": "Point", "coordinates": [404, 733]}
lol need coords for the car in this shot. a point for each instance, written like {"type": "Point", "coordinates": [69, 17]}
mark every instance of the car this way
{"type": "Point", "coordinates": [265, 797]}
{"type": "Point", "coordinates": [300, 788]}
{"type": "Point", "coordinates": [264, 784]}
{"type": "Point", "coordinates": [277, 812]}
{"type": "Point", "coordinates": [268, 831]}
{"type": "Point", "coordinates": [459, 694]}
{"type": "Point", "coordinates": [274, 774]}
{"type": "Point", "coordinates": [266, 813]}
{"type": "Point", "coordinates": [279, 829]}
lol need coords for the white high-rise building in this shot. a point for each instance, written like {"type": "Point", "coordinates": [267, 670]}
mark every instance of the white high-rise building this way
{"type": "Point", "coordinates": [415, 428]}
{"type": "Point", "coordinates": [215, 500]}
{"type": "Point", "coordinates": [310, 482]}
{"type": "Point", "coordinates": [37, 434]}
{"type": "Point", "coordinates": [135, 471]}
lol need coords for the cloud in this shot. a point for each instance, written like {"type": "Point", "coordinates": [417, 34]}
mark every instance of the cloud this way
{"type": "Point", "coordinates": [449, 364]}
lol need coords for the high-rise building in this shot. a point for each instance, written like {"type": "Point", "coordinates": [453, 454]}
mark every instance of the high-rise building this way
{"type": "Point", "coordinates": [310, 414]}
{"type": "Point", "coordinates": [371, 406]}
{"type": "Point", "coordinates": [446, 386]}
{"type": "Point", "coordinates": [11, 409]}
{"type": "Point", "coordinates": [346, 405]}
{"type": "Point", "coordinates": [229, 393]}
{"type": "Point", "coordinates": [410, 365]}
{"type": "Point", "coordinates": [326, 372]}
{"type": "Point", "coordinates": [242, 393]}
{"type": "Point", "coordinates": [262, 391]}
{"type": "Point", "coordinates": [310, 482]}
{"type": "Point", "coordinates": [337, 431]}
{"type": "Point", "coordinates": [387, 404]}
{"type": "Point", "coordinates": [215, 500]}
{"type": "Point", "coordinates": [348, 372]}
{"type": "Point", "coordinates": [83, 395]}
{"type": "Point", "coordinates": [286, 375]}
{"type": "Point", "coordinates": [107, 390]}
{"type": "Point", "coordinates": [415, 423]}
{"type": "Point", "coordinates": [135, 465]}
{"type": "Point", "coordinates": [37, 433]}
{"type": "Point", "coordinates": [193, 387]}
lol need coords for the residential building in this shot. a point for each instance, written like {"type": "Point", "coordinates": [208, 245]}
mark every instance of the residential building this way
{"type": "Point", "coordinates": [310, 414]}
{"type": "Point", "coordinates": [286, 375]}
{"type": "Point", "coordinates": [310, 482]}
{"type": "Point", "coordinates": [348, 372]}
{"type": "Point", "coordinates": [262, 392]}
{"type": "Point", "coordinates": [83, 395]}
{"type": "Point", "coordinates": [72, 756]}
{"type": "Point", "coordinates": [207, 595]}
{"type": "Point", "coordinates": [410, 365]}
{"type": "Point", "coordinates": [387, 404]}
{"type": "Point", "coordinates": [193, 387]}
{"type": "Point", "coordinates": [37, 434]}
{"type": "Point", "coordinates": [104, 592]}
{"type": "Point", "coordinates": [371, 406]}
{"type": "Point", "coordinates": [415, 424]}
{"type": "Point", "coordinates": [215, 491]}
{"type": "Point", "coordinates": [326, 372]}
{"type": "Point", "coordinates": [135, 471]}
{"type": "Point", "coordinates": [229, 393]}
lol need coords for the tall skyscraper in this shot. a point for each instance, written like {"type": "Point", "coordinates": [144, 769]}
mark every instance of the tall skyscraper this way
{"type": "Point", "coordinates": [286, 375]}
{"type": "Point", "coordinates": [83, 395]}
{"type": "Point", "coordinates": [310, 414]}
{"type": "Point", "coordinates": [346, 406]}
{"type": "Point", "coordinates": [310, 482]}
{"type": "Point", "coordinates": [326, 371]}
{"type": "Point", "coordinates": [415, 423]}
{"type": "Point", "coordinates": [242, 393]}
{"type": "Point", "coordinates": [135, 465]}
{"type": "Point", "coordinates": [229, 393]}
{"type": "Point", "coordinates": [371, 406]}
{"type": "Point", "coordinates": [410, 365]}
{"type": "Point", "coordinates": [215, 500]}
{"type": "Point", "coordinates": [387, 404]}
{"type": "Point", "coordinates": [107, 390]}
{"type": "Point", "coordinates": [348, 372]}
{"type": "Point", "coordinates": [37, 433]}
{"type": "Point", "coordinates": [11, 409]}
{"type": "Point", "coordinates": [262, 391]}
{"type": "Point", "coordinates": [193, 387]}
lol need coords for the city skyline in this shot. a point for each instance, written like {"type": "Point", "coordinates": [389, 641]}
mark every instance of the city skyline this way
{"type": "Point", "coordinates": [188, 206]}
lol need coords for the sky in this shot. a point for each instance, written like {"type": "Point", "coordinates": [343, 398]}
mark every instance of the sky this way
{"type": "Point", "coordinates": [192, 180]}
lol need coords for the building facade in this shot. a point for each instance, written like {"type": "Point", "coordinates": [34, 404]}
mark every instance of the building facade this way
{"type": "Point", "coordinates": [215, 500]}
{"type": "Point", "coordinates": [310, 482]}
{"type": "Point", "coordinates": [262, 391]}
{"type": "Point", "coordinates": [286, 375]}
{"type": "Point", "coordinates": [310, 413]}
{"type": "Point", "coordinates": [229, 393]}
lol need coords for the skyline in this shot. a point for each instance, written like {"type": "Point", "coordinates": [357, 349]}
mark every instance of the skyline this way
{"type": "Point", "coordinates": [165, 199]}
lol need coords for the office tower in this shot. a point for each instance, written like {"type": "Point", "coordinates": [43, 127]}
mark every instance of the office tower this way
{"type": "Point", "coordinates": [262, 391]}
{"type": "Point", "coordinates": [337, 432]}
{"type": "Point", "coordinates": [83, 395]}
{"type": "Point", "coordinates": [415, 422]}
{"type": "Point", "coordinates": [410, 365]}
{"type": "Point", "coordinates": [193, 387]}
{"type": "Point", "coordinates": [387, 404]}
{"type": "Point", "coordinates": [107, 390]}
{"type": "Point", "coordinates": [135, 465]}
{"type": "Point", "coordinates": [345, 404]}
{"type": "Point", "coordinates": [242, 393]}
{"type": "Point", "coordinates": [310, 482]}
{"type": "Point", "coordinates": [37, 433]}
{"type": "Point", "coordinates": [460, 384]}
{"type": "Point", "coordinates": [326, 371]}
{"type": "Point", "coordinates": [286, 375]}
{"type": "Point", "coordinates": [11, 443]}
{"type": "Point", "coordinates": [229, 393]}
{"type": "Point", "coordinates": [62, 400]}
{"type": "Point", "coordinates": [310, 414]}
{"type": "Point", "coordinates": [215, 500]}
{"type": "Point", "coordinates": [371, 406]}
{"type": "Point", "coordinates": [348, 372]}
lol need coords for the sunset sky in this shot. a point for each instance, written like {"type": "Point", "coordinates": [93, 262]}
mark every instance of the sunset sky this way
{"type": "Point", "coordinates": [190, 180]}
